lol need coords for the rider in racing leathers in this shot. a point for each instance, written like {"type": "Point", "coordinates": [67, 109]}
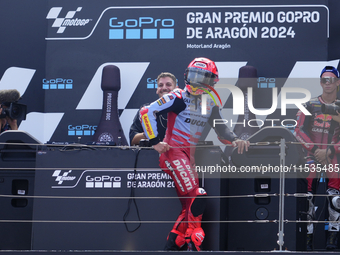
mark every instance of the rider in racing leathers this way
{"type": "Point", "coordinates": [316, 132]}
{"type": "Point", "coordinates": [185, 125]}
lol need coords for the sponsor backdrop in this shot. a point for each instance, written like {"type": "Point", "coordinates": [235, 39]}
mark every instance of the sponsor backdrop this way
{"type": "Point", "coordinates": [53, 52]}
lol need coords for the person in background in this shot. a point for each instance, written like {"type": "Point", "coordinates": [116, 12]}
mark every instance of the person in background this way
{"type": "Point", "coordinates": [185, 125]}
{"type": "Point", "coordinates": [316, 132]}
{"type": "Point", "coordinates": [7, 97]}
{"type": "Point", "coordinates": [166, 82]}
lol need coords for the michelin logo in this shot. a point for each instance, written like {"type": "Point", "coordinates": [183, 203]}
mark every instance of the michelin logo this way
{"type": "Point", "coordinates": [67, 21]}
{"type": "Point", "coordinates": [60, 178]}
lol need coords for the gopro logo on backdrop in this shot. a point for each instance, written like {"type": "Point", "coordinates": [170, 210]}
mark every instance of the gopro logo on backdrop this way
{"type": "Point", "coordinates": [151, 84]}
{"type": "Point", "coordinates": [58, 83]}
{"type": "Point", "coordinates": [263, 82]}
{"type": "Point", "coordinates": [141, 28]}
{"type": "Point", "coordinates": [104, 181]}
{"type": "Point", "coordinates": [67, 21]}
{"type": "Point", "coordinates": [85, 130]}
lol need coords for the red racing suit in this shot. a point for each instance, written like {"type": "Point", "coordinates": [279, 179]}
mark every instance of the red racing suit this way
{"type": "Point", "coordinates": [184, 129]}
{"type": "Point", "coordinates": [318, 130]}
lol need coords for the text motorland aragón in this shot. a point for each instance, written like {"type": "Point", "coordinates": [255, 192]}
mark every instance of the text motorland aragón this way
{"type": "Point", "coordinates": [238, 106]}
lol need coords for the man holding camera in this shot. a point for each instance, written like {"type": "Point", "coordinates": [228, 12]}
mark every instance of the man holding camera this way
{"type": "Point", "coordinates": [317, 132]}
{"type": "Point", "coordinates": [6, 98]}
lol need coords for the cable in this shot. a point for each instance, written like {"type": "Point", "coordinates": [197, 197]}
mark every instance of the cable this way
{"type": "Point", "coordinates": [76, 147]}
{"type": "Point", "coordinates": [132, 199]}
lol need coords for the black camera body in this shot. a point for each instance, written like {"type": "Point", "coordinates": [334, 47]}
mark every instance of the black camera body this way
{"type": "Point", "coordinates": [14, 111]}
{"type": "Point", "coordinates": [331, 108]}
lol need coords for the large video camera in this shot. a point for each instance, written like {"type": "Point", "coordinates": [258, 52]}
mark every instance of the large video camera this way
{"type": "Point", "coordinates": [331, 108]}
{"type": "Point", "coordinates": [14, 111]}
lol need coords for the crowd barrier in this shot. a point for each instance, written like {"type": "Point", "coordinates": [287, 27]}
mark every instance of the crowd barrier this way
{"type": "Point", "coordinates": [88, 198]}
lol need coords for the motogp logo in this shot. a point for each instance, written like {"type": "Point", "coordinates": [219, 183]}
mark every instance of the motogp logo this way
{"type": "Point", "coordinates": [62, 177]}
{"type": "Point", "coordinates": [67, 21]}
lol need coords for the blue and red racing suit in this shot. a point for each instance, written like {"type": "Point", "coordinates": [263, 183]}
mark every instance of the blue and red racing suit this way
{"type": "Point", "coordinates": [315, 132]}
{"type": "Point", "coordinates": [185, 125]}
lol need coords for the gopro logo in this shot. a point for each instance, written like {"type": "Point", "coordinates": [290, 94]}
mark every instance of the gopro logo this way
{"type": "Point", "coordinates": [58, 83]}
{"type": "Point", "coordinates": [104, 181]}
{"type": "Point", "coordinates": [151, 84]}
{"type": "Point", "coordinates": [263, 82]}
{"type": "Point", "coordinates": [85, 130]}
{"type": "Point", "coordinates": [141, 28]}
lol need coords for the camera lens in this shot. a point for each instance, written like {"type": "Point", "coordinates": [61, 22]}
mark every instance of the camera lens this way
{"type": "Point", "coordinates": [16, 112]}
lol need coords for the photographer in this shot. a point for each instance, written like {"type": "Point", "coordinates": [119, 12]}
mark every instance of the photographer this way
{"type": "Point", "coordinates": [316, 132]}
{"type": "Point", "coordinates": [7, 97]}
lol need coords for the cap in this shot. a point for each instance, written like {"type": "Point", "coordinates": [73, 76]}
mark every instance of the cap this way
{"type": "Point", "coordinates": [330, 69]}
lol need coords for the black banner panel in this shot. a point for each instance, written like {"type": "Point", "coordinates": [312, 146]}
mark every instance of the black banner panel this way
{"type": "Point", "coordinates": [87, 204]}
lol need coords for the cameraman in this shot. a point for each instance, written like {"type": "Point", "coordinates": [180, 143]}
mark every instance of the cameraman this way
{"type": "Point", "coordinates": [7, 97]}
{"type": "Point", "coordinates": [316, 132]}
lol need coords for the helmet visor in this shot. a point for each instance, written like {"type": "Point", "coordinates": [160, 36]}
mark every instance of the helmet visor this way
{"type": "Point", "coordinates": [197, 77]}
